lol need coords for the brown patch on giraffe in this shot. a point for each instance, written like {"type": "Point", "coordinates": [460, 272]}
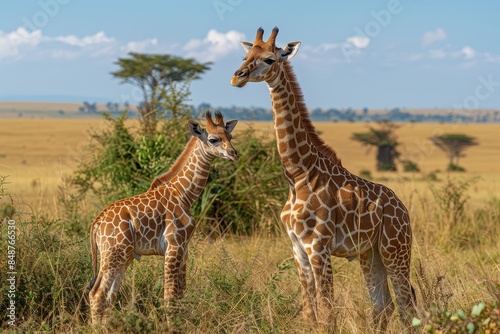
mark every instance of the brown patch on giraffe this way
{"type": "Point", "coordinates": [310, 223]}
{"type": "Point", "coordinates": [184, 182]}
{"type": "Point", "coordinates": [322, 213]}
{"type": "Point", "coordinates": [282, 146]}
{"type": "Point", "coordinates": [371, 206]}
{"type": "Point", "coordinates": [294, 157]}
{"type": "Point", "coordinates": [313, 202]}
{"type": "Point", "coordinates": [300, 136]}
{"type": "Point", "coordinates": [304, 149]}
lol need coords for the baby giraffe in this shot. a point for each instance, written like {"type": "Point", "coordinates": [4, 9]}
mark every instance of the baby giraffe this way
{"type": "Point", "coordinates": [157, 222]}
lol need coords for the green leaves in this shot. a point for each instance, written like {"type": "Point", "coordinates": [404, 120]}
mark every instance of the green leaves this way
{"type": "Point", "coordinates": [453, 144]}
{"type": "Point", "coordinates": [157, 76]}
{"type": "Point", "coordinates": [483, 318]}
{"type": "Point", "coordinates": [154, 70]}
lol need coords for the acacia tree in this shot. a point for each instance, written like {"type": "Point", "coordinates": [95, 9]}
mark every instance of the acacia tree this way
{"type": "Point", "coordinates": [385, 140]}
{"type": "Point", "coordinates": [157, 76]}
{"type": "Point", "coordinates": [453, 144]}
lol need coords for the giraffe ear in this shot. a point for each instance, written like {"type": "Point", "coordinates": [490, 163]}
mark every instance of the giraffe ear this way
{"type": "Point", "coordinates": [289, 51]}
{"type": "Point", "coordinates": [196, 130]}
{"type": "Point", "coordinates": [246, 46]}
{"type": "Point", "coordinates": [230, 125]}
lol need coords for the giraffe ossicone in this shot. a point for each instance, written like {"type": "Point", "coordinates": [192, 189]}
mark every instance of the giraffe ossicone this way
{"type": "Point", "coordinates": [159, 221]}
{"type": "Point", "coordinates": [330, 211]}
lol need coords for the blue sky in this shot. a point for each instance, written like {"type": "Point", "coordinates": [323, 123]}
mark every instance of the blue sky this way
{"type": "Point", "coordinates": [375, 54]}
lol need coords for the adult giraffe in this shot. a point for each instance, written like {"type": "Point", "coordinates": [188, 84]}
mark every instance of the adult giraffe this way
{"type": "Point", "coordinates": [329, 210]}
{"type": "Point", "coordinates": [157, 222]}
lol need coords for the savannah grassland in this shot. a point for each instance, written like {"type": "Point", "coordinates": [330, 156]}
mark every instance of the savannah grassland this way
{"type": "Point", "coordinates": [249, 284]}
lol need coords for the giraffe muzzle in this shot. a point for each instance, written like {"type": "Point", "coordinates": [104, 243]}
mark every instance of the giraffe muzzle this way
{"type": "Point", "coordinates": [240, 77]}
{"type": "Point", "coordinates": [233, 155]}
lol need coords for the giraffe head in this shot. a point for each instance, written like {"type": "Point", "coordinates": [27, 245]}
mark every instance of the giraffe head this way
{"type": "Point", "coordinates": [263, 59]}
{"type": "Point", "coordinates": [216, 137]}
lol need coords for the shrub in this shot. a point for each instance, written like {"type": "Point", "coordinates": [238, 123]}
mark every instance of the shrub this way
{"type": "Point", "coordinates": [451, 198]}
{"type": "Point", "coordinates": [239, 197]}
{"type": "Point", "coordinates": [410, 166]}
{"type": "Point", "coordinates": [432, 176]}
{"type": "Point", "coordinates": [366, 174]}
{"type": "Point", "coordinates": [483, 317]}
{"type": "Point", "coordinates": [455, 168]}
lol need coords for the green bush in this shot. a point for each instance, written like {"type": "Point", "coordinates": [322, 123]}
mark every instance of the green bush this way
{"type": "Point", "coordinates": [410, 166]}
{"type": "Point", "coordinates": [452, 197]}
{"type": "Point", "coordinates": [483, 317]}
{"type": "Point", "coordinates": [239, 197]}
{"type": "Point", "coordinates": [366, 174]}
{"type": "Point", "coordinates": [455, 168]}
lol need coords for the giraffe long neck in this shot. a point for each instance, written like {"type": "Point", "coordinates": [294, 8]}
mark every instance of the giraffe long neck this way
{"type": "Point", "coordinates": [189, 174]}
{"type": "Point", "coordinates": [299, 145]}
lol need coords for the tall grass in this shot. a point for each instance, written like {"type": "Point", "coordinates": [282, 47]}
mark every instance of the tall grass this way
{"type": "Point", "coordinates": [247, 284]}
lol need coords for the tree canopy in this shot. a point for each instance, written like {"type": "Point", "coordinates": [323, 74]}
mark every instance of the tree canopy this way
{"type": "Point", "coordinates": [156, 75]}
{"type": "Point", "coordinates": [453, 144]}
{"type": "Point", "coordinates": [385, 139]}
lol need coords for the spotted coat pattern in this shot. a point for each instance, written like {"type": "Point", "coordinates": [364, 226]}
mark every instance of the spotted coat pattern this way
{"type": "Point", "coordinates": [329, 210]}
{"type": "Point", "coordinates": [157, 222]}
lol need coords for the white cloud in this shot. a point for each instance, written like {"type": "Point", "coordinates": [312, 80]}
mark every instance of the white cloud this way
{"type": "Point", "coordinates": [98, 38]}
{"type": "Point", "coordinates": [215, 46]}
{"type": "Point", "coordinates": [468, 52]}
{"type": "Point", "coordinates": [141, 46]}
{"type": "Point", "coordinates": [430, 37]}
{"type": "Point", "coordinates": [12, 44]}
{"type": "Point", "coordinates": [360, 42]}
{"type": "Point", "coordinates": [20, 43]}
{"type": "Point", "coordinates": [491, 58]}
{"type": "Point", "coordinates": [336, 52]}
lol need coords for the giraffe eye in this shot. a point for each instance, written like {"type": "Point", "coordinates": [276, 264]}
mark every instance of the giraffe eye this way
{"type": "Point", "coordinates": [269, 61]}
{"type": "Point", "coordinates": [213, 140]}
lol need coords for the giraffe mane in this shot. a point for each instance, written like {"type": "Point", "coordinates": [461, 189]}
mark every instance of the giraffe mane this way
{"type": "Point", "coordinates": [316, 140]}
{"type": "Point", "coordinates": [177, 166]}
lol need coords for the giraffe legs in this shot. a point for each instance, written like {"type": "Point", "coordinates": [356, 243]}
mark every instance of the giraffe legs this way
{"type": "Point", "coordinates": [316, 278]}
{"type": "Point", "coordinates": [175, 274]}
{"type": "Point", "coordinates": [395, 254]}
{"type": "Point", "coordinates": [308, 287]}
{"type": "Point", "coordinates": [404, 292]}
{"type": "Point", "coordinates": [376, 282]}
{"type": "Point", "coordinates": [323, 278]}
{"type": "Point", "coordinates": [104, 291]}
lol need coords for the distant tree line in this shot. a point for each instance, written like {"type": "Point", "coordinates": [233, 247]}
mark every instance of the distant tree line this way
{"type": "Point", "coordinates": [395, 115]}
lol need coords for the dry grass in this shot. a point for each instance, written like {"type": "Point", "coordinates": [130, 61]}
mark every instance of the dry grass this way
{"type": "Point", "coordinates": [37, 153]}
